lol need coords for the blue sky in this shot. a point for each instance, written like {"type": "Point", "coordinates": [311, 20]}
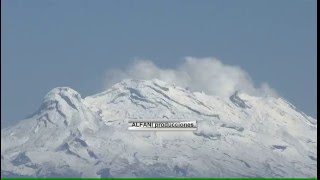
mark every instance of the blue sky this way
{"type": "Point", "coordinates": [50, 43]}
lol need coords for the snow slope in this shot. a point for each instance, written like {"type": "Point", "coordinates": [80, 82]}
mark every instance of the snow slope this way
{"type": "Point", "coordinates": [237, 136]}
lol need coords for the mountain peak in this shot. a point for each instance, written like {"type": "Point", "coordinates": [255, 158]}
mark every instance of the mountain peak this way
{"type": "Point", "coordinates": [62, 92]}
{"type": "Point", "coordinates": [135, 83]}
{"type": "Point", "coordinates": [59, 102]}
{"type": "Point", "coordinates": [64, 96]}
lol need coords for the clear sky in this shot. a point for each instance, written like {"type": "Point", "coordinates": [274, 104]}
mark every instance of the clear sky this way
{"type": "Point", "coordinates": [50, 43]}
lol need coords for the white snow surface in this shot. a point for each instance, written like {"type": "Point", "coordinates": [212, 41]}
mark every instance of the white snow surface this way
{"type": "Point", "coordinates": [238, 136]}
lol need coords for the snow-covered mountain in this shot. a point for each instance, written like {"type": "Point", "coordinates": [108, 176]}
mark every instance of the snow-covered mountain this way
{"type": "Point", "coordinates": [237, 136]}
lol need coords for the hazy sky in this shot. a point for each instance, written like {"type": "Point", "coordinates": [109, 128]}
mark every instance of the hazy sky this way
{"type": "Point", "coordinates": [50, 43]}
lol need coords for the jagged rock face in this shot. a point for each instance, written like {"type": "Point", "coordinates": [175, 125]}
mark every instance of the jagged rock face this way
{"type": "Point", "coordinates": [237, 136]}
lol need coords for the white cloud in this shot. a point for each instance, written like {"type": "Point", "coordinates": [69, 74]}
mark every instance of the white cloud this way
{"type": "Point", "coordinates": [199, 74]}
